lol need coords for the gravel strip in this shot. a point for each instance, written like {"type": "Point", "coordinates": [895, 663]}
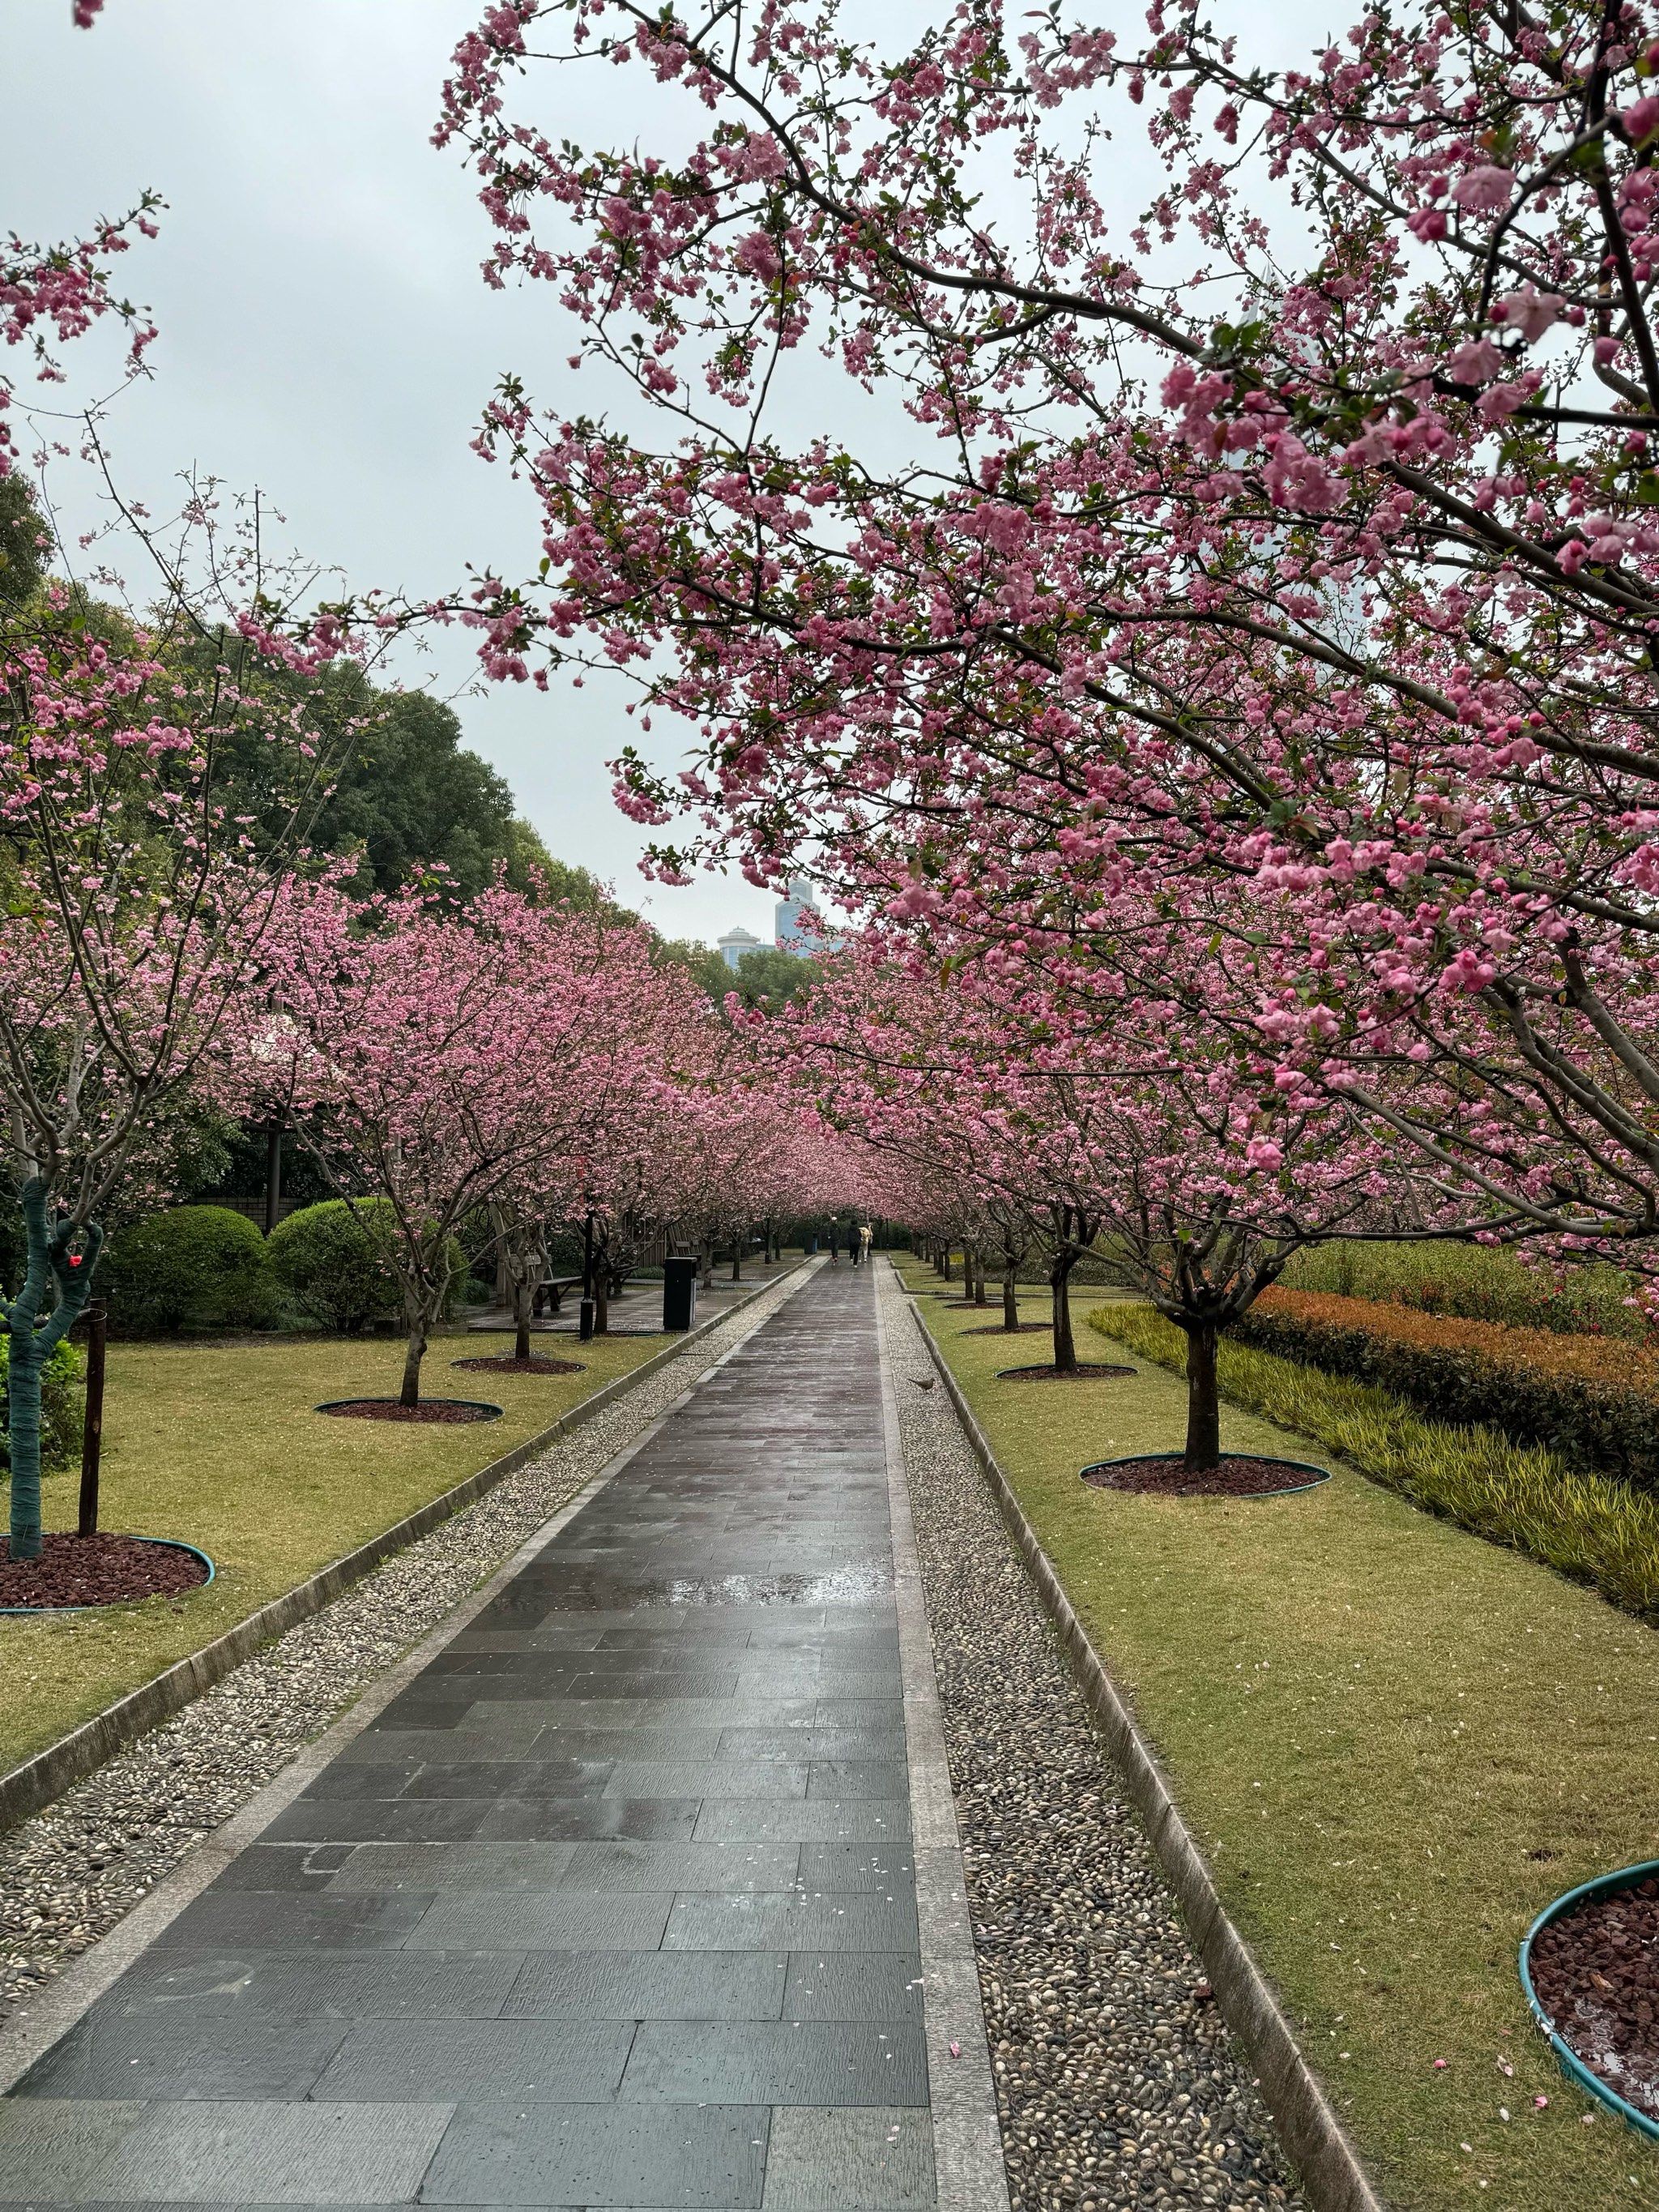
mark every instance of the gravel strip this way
{"type": "Point", "coordinates": [70, 1873]}
{"type": "Point", "coordinates": [1118, 2087]}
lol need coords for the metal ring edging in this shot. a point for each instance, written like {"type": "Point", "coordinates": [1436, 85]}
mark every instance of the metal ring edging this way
{"type": "Point", "coordinates": [171, 1543]}
{"type": "Point", "coordinates": [1264, 1459]}
{"type": "Point", "coordinates": [1604, 1885]}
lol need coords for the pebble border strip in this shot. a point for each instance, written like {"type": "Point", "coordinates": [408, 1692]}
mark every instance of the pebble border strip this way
{"type": "Point", "coordinates": [39, 1780]}
{"type": "Point", "coordinates": [967, 2163]}
{"type": "Point", "coordinates": [1313, 2136]}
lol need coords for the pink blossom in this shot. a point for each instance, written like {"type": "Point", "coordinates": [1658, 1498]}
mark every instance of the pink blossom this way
{"type": "Point", "coordinates": [1475, 361]}
{"type": "Point", "coordinates": [1528, 311]}
{"type": "Point", "coordinates": [1485, 190]}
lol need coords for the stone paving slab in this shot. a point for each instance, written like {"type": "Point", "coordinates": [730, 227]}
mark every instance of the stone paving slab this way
{"type": "Point", "coordinates": [614, 1904]}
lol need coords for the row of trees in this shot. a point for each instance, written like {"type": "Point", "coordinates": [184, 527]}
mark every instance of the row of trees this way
{"type": "Point", "coordinates": [1236, 713]}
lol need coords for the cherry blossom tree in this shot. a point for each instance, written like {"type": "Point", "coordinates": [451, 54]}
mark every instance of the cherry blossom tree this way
{"type": "Point", "coordinates": [1300, 528]}
{"type": "Point", "coordinates": [132, 924]}
{"type": "Point", "coordinates": [450, 1059]}
{"type": "Point", "coordinates": [1141, 1130]}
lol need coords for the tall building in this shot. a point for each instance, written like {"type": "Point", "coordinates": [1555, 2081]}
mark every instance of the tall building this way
{"type": "Point", "coordinates": [788, 934]}
{"type": "Point", "coordinates": [735, 943]}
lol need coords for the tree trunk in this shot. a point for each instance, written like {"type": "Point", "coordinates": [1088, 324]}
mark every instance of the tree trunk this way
{"type": "Point", "coordinates": [736, 1261]}
{"type": "Point", "coordinates": [23, 1435]}
{"type": "Point", "coordinates": [523, 1297]}
{"type": "Point", "coordinates": [50, 1268]}
{"type": "Point", "coordinates": [1011, 1295]}
{"type": "Point", "coordinates": [601, 1301]}
{"type": "Point", "coordinates": [1065, 1350]}
{"type": "Point", "coordinates": [946, 1269]}
{"type": "Point", "coordinates": [980, 1298]}
{"type": "Point", "coordinates": [414, 1353]}
{"type": "Point", "coordinates": [1203, 1400]}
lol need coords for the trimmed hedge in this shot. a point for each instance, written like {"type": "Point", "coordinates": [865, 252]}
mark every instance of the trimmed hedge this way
{"type": "Point", "coordinates": [63, 1407]}
{"type": "Point", "coordinates": [330, 1264]}
{"type": "Point", "coordinates": [1477, 1282]}
{"type": "Point", "coordinates": [1587, 1527]}
{"type": "Point", "coordinates": [194, 1266]}
{"type": "Point", "coordinates": [1594, 1400]}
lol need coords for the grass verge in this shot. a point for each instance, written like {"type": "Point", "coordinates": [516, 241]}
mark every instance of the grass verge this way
{"type": "Point", "coordinates": [1591, 1527]}
{"type": "Point", "coordinates": [1395, 1742]}
{"type": "Point", "coordinates": [219, 1444]}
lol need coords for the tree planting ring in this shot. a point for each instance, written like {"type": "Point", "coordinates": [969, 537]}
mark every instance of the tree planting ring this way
{"type": "Point", "coordinates": [163, 1543]}
{"type": "Point", "coordinates": [455, 1412]}
{"type": "Point", "coordinates": [1587, 1893]}
{"type": "Point", "coordinates": [1097, 1468]}
{"type": "Point", "coordinates": [1086, 1370]}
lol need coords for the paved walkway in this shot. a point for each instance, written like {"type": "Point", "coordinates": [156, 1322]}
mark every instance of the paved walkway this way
{"type": "Point", "coordinates": [613, 1905]}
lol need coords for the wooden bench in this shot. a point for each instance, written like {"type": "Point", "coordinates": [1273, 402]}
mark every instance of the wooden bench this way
{"type": "Point", "coordinates": [551, 1292]}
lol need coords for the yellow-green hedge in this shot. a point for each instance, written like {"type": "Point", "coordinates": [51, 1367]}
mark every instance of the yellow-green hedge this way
{"type": "Point", "coordinates": [1596, 1529]}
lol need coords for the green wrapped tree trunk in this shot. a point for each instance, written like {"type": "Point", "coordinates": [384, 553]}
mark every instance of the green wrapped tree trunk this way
{"type": "Point", "coordinates": [63, 1277]}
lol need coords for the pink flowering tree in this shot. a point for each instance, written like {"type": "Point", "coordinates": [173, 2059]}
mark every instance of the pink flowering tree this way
{"type": "Point", "coordinates": [632, 1065]}
{"type": "Point", "coordinates": [134, 923]}
{"type": "Point", "coordinates": [446, 1061]}
{"type": "Point", "coordinates": [1147, 1133]}
{"type": "Point", "coordinates": [1301, 527]}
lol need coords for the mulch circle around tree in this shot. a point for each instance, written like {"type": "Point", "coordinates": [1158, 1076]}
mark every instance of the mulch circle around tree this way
{"type": "Point", "coordinates": [1086, 1371]}
{"type": "Point", "coordinates": [98, 1570]}
{"type": "Point", "coordinates": [1021, 1328]}
{"type": "Point", "coordinates": [429, 1409]}
{"type": "Point", "coordinates": [1596, 1973]}
{"type": "Point", "coordinates": [1165, 1474]}
{"type": "Point", "coordinates": [536, 1364]}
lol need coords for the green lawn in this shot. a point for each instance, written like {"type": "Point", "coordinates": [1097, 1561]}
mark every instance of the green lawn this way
{"type": "Point", "coordinates": [1396, 1741]}
{"type": "Point", "coordinates": [219, 1444]}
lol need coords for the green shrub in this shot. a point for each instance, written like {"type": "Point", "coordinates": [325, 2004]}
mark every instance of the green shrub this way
{"type": "Point", "coordinates": [1475, 1281]}
{"type": "Point", "coordinates": [1596, 1402]}
{"type": "Point", "coordinates": [1586, 1526]}
{"type": "Point", "coordinates": [196, 1266]}
{"type": "Point", "coordinates": [328, 1259]}
{"type": "Point", "coordinates": [63, 1407]}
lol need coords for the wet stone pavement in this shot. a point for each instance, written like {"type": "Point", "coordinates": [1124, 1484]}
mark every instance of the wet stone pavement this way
{"type": "Point", "coordinates": [612, 1906]}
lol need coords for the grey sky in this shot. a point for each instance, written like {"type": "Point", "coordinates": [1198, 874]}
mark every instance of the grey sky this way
{"type": "Point", "coordinates": [325, 334]}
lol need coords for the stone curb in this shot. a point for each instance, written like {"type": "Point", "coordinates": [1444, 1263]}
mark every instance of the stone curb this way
{"type": "Point", "coordinates": [33, 2031]}
{"type": "Point", "coordinates": [1313, 2136]}
{"type": "Point", "coordinates": [969, 2171]}
{"type": "Point", "coordinates": [39, 1780]}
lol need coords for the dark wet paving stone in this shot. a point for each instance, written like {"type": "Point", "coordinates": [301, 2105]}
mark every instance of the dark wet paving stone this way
{"type": "Point", "coordinates": [612, 1906]}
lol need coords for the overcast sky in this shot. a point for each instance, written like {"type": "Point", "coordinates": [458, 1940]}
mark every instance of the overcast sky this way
{"type": "Point", "coordinates": [325, 334]}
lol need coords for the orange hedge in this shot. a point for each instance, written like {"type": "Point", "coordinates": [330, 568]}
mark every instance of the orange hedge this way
{"type": "Point", "coordinates": [1593, 1399]}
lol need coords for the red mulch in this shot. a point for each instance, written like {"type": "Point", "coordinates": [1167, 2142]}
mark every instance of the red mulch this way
{"type": "Point", "coordinates": [388, 1409]}
{"type": "Point", "coordinates": [1166, 1476]}
{"type": "Point", "coordinates": [1086, 1371]}
{"type": "Point", "coordinates": [536, 1364]}
{"type": "Point", "coordinates": [1597, 1973]}
{"type": "Point", "coordinates": [1022, 1328]}
{"type": "Point", "coordinates": [96, 1571]}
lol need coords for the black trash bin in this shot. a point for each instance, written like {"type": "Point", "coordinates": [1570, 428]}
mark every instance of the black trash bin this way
{"type": "Point", "coordinates": [679, 1292]}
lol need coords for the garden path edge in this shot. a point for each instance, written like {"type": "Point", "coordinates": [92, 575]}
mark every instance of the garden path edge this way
{"type": "Point", "coordinates": [1313, 2137]}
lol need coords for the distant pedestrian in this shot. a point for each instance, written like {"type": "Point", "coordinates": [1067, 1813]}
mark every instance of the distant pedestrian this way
{"type": "Point", "coordinates": [864, 1240]}
{"type": "Point", "coordinates": [835, 1256]}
